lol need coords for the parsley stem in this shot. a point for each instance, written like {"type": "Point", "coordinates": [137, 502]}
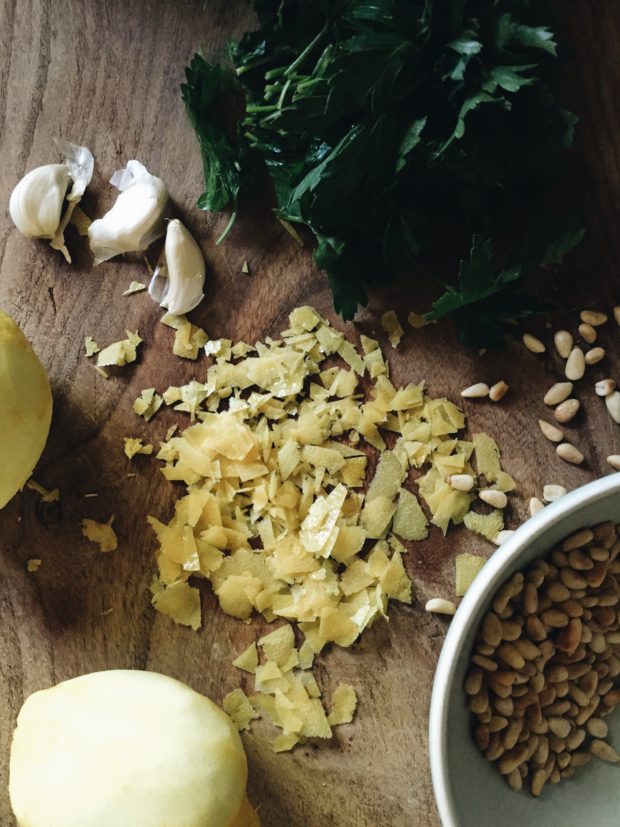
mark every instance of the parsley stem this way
{"type": "Point", "coordinates": [228, 227]}
{"type": "Point", "coordinates": [300, 59]}
{"type": "Point", "coordinates": [249, 66]}
{"type": "Point", "coordinates": [255, 108]}
{"type": "Point", "coordinates": [285, 89]}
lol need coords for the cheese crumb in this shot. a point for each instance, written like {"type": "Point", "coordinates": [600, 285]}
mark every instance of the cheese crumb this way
{"type": "Point", "coordinates": [90, 346]}
{"type": "Point", "coordinates": [33, 565]}
{"type": "Point", "coordinates": [101, 533]}
{"type": "Point", "coordinates": [120, 353]}
{"type": "Point", "coordinates": [133, 446]}
{"type": "Point", "coordinates": [391, 325]}
{"type": "Point", "coordinates": [147, 404]}
{"type": "Point", "coordinates": [134, 287]}
{"type": "Point", "coordinates": [467, 568]}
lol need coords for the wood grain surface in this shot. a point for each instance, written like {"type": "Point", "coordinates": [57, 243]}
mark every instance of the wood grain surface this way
{"type": "Point", "coordinates": [106, 74]}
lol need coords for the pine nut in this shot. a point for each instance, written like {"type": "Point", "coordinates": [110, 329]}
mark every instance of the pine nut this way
{"type": "Point", "coordinates": [462, 482]}
{"type": "Point", "coordinates": [563, 343]}
{"type": "Point", "coordinates": [614, 461]}
{"type": "Point", "coordinates": [438, 605]}
{"type": "Point", "coordinates": [511, 759]}
{"type": "Point", "coordinates": [558, 393]}
{"type": "Point", "coordinates": [579, 539]}
{"type": "Point", "coordinates": [587, 333]}
{"type": "Point", "coordinates": [533, 344]}
{"type": "Point", "coordinates": [575, 365]}
{"type": "Point", "coordinates": [580, 561]}
{"type": "Point", "coordinates": [550, 431]}
{"type": "Point", "coordinates": [539, 779]}
{"type": "Point", "coordinates": [594, 355]}
{"type": "Point", "coordinates": [535, 506]}
{"type": "Point", "coordinates": [612, 401]}
{"type": "Point", "coordinates": [604, 751]}
{"type": "Point", "coordinates": [498, 391]}
{"type": "Point", "coordinates": [569, 453]}
{"type": "Point", "coordinates": [492, 629]}
{"type": "Point", "coordinates": [551, 492]}
{"type": "Point", "coordinates": [477, 391]}
{"type": "Point", "coordinates": [566, 410]}
{"type": "Point", "coordinates": [558, 592]}
{"type": "Point", "coordinates": [593, 317]}
{"type": "Point", "coordinates": [495, 498]}
{"type": "Point", "coordinates": [555, 618]}
{"type": "Point", "coordinates": [515, 780]}
{"type": "Point", "coordinates": [617, 314]}
{"type": "Point", "coordinates": [597, 728]}
{"type": "Point", "coordinates": [605, 387]}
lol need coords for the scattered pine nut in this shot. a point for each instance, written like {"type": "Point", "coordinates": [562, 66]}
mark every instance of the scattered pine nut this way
{"type": "Point", "coordinates": [439, 606]}
{"type": "Point", "coordinates": [587, 333]}
{"type": "Point", "coordinates": [495, 498]}
{"type": "Point", "coordinates": [498, 391]}
{"type": "Point", "coordinates": [462, 482]}
{"type": "Point", "coordinates": [569, 453]}
{"type": "Point", "coordinates": [536, 505]}
{"type": "Point", "coordinates": [604, 751]}
{"type": "Point", "coordinates": [533, 344]}
{"type": "Point", "coordinates": [614, 461]}
{"type": "Point", "coordinates": [550, 431]}
{"type": "Point", "coordinates": [477, 391]}
{"type": "Point", "coordinates": [566, 410]}
{"type": "Point", "coordinates": [605, 387]}
{"type": "Point", "coordinates": [617, 314]}
{"type": "Point", "coordinates": [553, 492]}
{"type": "Point", "coordinates": [575, 365]}
{"type": "Point", "coordinates": [558, 393]}
{"type": "Point", "coordinates": [502, 536]}
{"type": "Point", "coordinates": [593, 317]}
{"type": "Point", "coordinates": [563, 343]}
{"type": "Point", "coordinates": [595, 355]}
{"type": "Point", "coordinates": [612, 401]}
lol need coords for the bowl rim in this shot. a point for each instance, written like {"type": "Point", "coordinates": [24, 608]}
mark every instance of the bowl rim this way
{"type": "Point", "coordinates": [480, 591]}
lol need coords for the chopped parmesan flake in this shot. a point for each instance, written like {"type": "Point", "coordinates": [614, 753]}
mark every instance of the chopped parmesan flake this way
{"type": "Point", "coordinates": [90, 346]}
{"type": "Point", "coordinates": [33, 565]}
{"type": "Point", "coordinates": [120, 353]}
{"type": "Point", "coordinates": [134, 287]}
{"type": "Point", "coordinates": [101, 533]}
{"type": "Point", "coordinates": [467, 567]}
{"type": "Point", "coordinates": [134, 446]}
{"type": "Point", "coordinates": [391, 325]}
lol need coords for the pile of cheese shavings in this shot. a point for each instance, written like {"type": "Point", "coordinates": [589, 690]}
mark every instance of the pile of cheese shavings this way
{"type": "Point", "coordinates": [282, 513]}
{"type": "Point", "coordinates": [287, 692]}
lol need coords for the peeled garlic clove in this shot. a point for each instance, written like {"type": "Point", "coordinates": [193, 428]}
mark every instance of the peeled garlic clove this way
{"type": "Point", "coordinates": [36, 202]}
{"type": "Point", "coordinates": [137, 217]}
{"type": "Point", "coordinates": [178, 282]}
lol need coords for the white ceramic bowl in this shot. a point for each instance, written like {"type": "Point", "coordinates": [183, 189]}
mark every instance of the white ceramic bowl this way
{"type": "Point", "coordinates": [469, 790]}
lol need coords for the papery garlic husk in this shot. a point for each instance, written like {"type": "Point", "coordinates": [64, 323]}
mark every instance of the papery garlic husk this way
{"type": "Point", "coordinates": [37, 201]}
{"type": "Point", "coordinates": [179, 278]}
{"type": "Point", "coordinates": [137, 217]}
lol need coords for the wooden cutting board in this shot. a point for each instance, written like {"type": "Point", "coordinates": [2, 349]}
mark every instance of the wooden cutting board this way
{"type": "Point", "coordinates": [106, 74]}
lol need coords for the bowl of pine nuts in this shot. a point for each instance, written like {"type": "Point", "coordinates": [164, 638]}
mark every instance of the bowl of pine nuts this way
{"type": "Point", "coordinates": [521, 728]}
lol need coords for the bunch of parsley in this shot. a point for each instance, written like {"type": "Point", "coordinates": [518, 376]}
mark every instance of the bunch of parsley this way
{"type": "Point", "coordinates": [383, 122]}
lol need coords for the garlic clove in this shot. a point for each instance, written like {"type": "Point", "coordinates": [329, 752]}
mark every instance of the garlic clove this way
{"type": "Point", "coordinates": [137, 217]}
{"type": "Point", "coordinates": [36, 202]}
{"type": "Point", "coordinates": [178, 282]}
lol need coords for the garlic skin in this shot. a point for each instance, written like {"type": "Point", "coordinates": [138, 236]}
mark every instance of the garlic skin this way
{"type": "Point", "coordinates": [36, 202]}
{"type": "Point", "coordinates": [137, 217]}
{"type": "Point", "coordinates": [178, 280]}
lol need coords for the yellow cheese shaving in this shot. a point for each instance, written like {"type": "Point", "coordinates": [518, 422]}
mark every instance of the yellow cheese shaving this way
{"type": "Point", "coordinates": [391, 325]}
{"type": "Point", "coordinates": [467, 568]}
{"type": "Point", "coordinates": [247, 660]}
{"type": "Point", "coordinates": [487, 525]}
{"type": "Point", "coordinates": [46, 495]}
{"type": "Point", "coordinates": [33, 565]}
{"type": "Point", "coordinates": [100, 533]}
{"type": "Point", "coordinates": [239, 708]}
{"type": "Point", "coordinates": [344, 703]}
{"type": "Point", "coordinates": [133, 446]}
{"type": "Point", "coordinates": [120, 353]}
{"type": "Point", "coordinates": [134, 287]}
{"type": "Point", "coordinates": [147, 404]}
{"type": "Point", "coordinates": [188, 338]}
{"type": "Point", "coordinates": [90, 346]}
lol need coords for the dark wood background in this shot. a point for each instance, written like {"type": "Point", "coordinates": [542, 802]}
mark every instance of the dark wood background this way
{"type": "Point", "coordinates": [106, 74]}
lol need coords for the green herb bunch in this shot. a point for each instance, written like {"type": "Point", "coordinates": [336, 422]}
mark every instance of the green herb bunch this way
{"type": "Point", "coordinates": [383, 122]}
